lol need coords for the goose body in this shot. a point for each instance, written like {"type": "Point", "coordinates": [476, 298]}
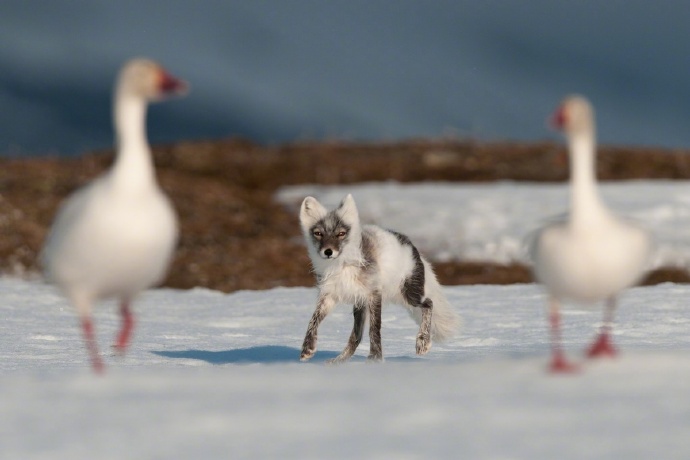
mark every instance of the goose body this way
{"type": "Point", "coordinates": [116, 236]}
{"type": "Point", "coordinates": [593, 262]}
{"type": "Point", "coordinates": [591, 255]}
{"type": "Point", "coordinates": [106, 243]}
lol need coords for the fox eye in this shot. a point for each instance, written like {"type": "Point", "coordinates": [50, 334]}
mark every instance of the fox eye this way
{"type": "Point", "coordinates": [317, 233]}
{"type": "Point", "coordinates": [341, 234]}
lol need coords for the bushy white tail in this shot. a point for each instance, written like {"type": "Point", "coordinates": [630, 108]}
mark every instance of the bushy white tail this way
{"type": "Point", "coordinates": [444, 320]}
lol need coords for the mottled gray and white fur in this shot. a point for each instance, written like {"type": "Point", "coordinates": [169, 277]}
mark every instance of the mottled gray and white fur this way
{"type": "Point", "coordinates": [367, 266]}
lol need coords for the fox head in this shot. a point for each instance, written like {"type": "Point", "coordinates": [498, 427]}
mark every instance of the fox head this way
{"type": "Point", "coordinates": [328, 233]}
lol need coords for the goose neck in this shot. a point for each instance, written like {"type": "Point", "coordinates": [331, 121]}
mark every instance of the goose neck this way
{"type": "Point", "coordinates": [585, 203]}
{"type": "Point", "coordinates": [133, 152]}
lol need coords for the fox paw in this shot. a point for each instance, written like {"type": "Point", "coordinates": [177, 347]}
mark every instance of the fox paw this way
{"type": "Point", "coordinates": [337, 360]}
{"type": "Point", "coordinates": [306, 355]}
{"type": "Point", "coordinates": [423, 344]}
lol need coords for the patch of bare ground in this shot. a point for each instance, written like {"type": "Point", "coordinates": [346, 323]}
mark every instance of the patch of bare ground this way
{"type": "Point", "coordinates": [234, 236]}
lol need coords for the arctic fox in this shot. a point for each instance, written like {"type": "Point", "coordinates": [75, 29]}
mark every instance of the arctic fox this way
{"type": "Point", "coordinates": [367, 265]}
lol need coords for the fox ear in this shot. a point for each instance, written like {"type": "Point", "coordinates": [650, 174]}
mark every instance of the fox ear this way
{"type": "Point", "coordinates": [311, 212]}
{"type": "Point", "coordinates": [348, 209]}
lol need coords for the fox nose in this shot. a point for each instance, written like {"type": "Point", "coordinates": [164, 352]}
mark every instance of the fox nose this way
{"type": "Point", "coordinates": [328, 252]}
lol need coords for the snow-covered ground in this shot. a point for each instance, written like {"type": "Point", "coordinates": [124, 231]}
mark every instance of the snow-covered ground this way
{"type": "Point", "coordinates": [491, 221]}
{"type": "Point", "coordinates": [211, 375]}
{"type": "Point", "coordinates": [217, 376]}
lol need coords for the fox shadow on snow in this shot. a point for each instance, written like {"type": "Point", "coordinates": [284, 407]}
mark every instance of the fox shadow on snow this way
{"type": "Point", "coordinates": [266, 354]}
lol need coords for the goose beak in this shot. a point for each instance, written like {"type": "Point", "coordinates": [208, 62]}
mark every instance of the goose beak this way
{"type": "Point", "coordinates": [558, 119]}
{"type": "Point", "coordinates": [169, 85]}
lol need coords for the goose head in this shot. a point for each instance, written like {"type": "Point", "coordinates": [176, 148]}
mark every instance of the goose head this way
{"type": "Point", "coordinates": [574, 116]}
{"type": "Point", "coordinates": [148, 80]}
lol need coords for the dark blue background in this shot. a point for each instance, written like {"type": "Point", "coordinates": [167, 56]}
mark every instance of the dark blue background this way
{"type": "Point", "coordinates": [285, 70]}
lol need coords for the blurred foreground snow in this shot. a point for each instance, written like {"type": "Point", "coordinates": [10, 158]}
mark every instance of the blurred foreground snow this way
{"type": "Point", "coordinates": [212, 375]}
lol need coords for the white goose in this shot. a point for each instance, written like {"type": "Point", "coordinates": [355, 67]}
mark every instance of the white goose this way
{"type": "Point", "coordinates": [116, 236]}
{"type": "Point", "coordinates": [591, 255]}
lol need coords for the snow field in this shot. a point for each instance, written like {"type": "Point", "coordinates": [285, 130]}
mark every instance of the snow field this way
{"type": "Point", "coordinates": [213, 375]}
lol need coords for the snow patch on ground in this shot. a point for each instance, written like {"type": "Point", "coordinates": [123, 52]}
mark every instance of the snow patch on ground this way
{"type": "Point", "coordinates": [491, 221]}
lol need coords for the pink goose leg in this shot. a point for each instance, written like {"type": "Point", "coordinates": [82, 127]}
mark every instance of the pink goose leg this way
{"type": "Point", "coordinates": [91, 345]}
{"type": "Point", "coordinates": [559, 363]}
{"type": "Point", "coordinates": [603, 346]}
{"type": "Point", "coordinates": [127, 326]}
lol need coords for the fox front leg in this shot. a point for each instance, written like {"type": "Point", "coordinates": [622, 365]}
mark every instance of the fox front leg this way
{"type": "Point", "coordinates": [375, 348]}
{"type": "Point", "coordinates": [359, 311]}
{"type": "Point", "coordinates": [424, 335]}
{"type": "Point", "coordinates": [323, 306]}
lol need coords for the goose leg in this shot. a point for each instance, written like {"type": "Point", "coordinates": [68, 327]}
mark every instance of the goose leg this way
{"type": "Point", "coordinates": [91, 345]}
{"type": "Point", "coordinates": [603, 346]}
{"type": "Point", "coordinates": [126, 330]}
{"type": "Point", "coordinates": [559, 363]}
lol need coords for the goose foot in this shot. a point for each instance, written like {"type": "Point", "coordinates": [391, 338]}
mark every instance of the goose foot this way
{"type": "Point", "coordinates": [560, 365]}
{"type": "Point", "coordinates": [602, 347]}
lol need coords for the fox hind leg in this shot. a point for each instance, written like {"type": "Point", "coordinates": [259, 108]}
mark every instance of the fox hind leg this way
{"type": "Point", "coordinates": [375, 348]}
{"type": "Point", "coordinates": [413, 291]}
{"type": "Point", "coordinates": [424, 336]}
{"type": "Point", "coordinates": [359, 311]}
